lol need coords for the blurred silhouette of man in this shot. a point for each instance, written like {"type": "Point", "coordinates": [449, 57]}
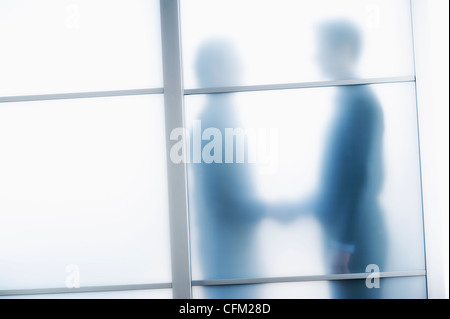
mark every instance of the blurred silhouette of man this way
{"type": "Point", "coordinates": [226, 207]}
{"type": "Point", "coordinates": [352, 174]}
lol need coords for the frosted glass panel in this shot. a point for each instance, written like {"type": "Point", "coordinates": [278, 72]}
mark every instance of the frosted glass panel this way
{"type": "Point", "coordinates": [390, 288]}
{"type": "Point", "coordinates": [137, 294]}
{"type": "Point", "coordinates": [282, 41]}
{"type": "Point", "coordinates": [54, 46]}
{"type": "Point", "coordinates": [83, 193]}
{"type": "Point", "coordinates": [334, 185]}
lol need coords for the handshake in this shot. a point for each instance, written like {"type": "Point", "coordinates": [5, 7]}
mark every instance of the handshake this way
{"type": "Point", "coordinates": [288, 212]}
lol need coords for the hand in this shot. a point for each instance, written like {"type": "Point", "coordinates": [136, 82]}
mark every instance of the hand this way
{"type": "Point", "coordinates": [340, 261]}
{"type": "Point", "coordinates": [290, 211]}
{"type": "Point", "coordinates": [287, 212]}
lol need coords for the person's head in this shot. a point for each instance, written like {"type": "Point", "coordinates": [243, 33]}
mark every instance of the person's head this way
{"type": "Point", "coordinates": [217, 64]}
{"type": "Point", "coordinates": [339, 48]}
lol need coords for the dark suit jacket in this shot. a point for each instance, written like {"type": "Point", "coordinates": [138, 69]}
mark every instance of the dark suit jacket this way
{"type": "Point", "coordinates": [353, 176]}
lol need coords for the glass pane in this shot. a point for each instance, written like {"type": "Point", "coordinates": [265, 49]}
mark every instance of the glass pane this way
{"type": "Point", "coordinates": [389, 288]}
{"type": "Point", "coordinates": [54, 46]}
{"type": "Point", "coordinates": [283, 41]}
{"type": "Point", "coordinates": [137, 294]}
{"type": "Point", "coordinates": [83, 193]}
{"type": "Point", "coordinates": [330, 182]}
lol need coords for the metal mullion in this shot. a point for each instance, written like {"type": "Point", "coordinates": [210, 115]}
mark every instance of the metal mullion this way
{"type": "Point", "coordinates": [303, 85]}
{"type": "Point", "coordinates": [177, 179]}
{"type": "Point", "coordinates": [419, 145]}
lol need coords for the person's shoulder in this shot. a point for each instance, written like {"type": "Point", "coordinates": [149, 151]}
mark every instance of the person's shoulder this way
{"type": "Point", "coordinates": [361, 97]}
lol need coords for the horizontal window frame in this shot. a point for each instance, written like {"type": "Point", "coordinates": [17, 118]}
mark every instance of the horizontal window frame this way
{"type": "Point", "coordinates": [294, 279]}
{"type": "Point", "coordinates": [79, 95]}
{"type": "Point", "coordinates": [300, 85]}
{"type": "Point", "coordinates": [90, 289]}
{"type": "Point", "coordinates": [220, 282]}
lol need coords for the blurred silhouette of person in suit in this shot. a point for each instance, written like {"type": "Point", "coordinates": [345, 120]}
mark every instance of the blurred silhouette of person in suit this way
{"type": "Point", "coordinates": [226, 207]}
{"type": "Point", "coordinates": [352, 173]}
{"type": "Point", "coordinates": [223, 199]}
